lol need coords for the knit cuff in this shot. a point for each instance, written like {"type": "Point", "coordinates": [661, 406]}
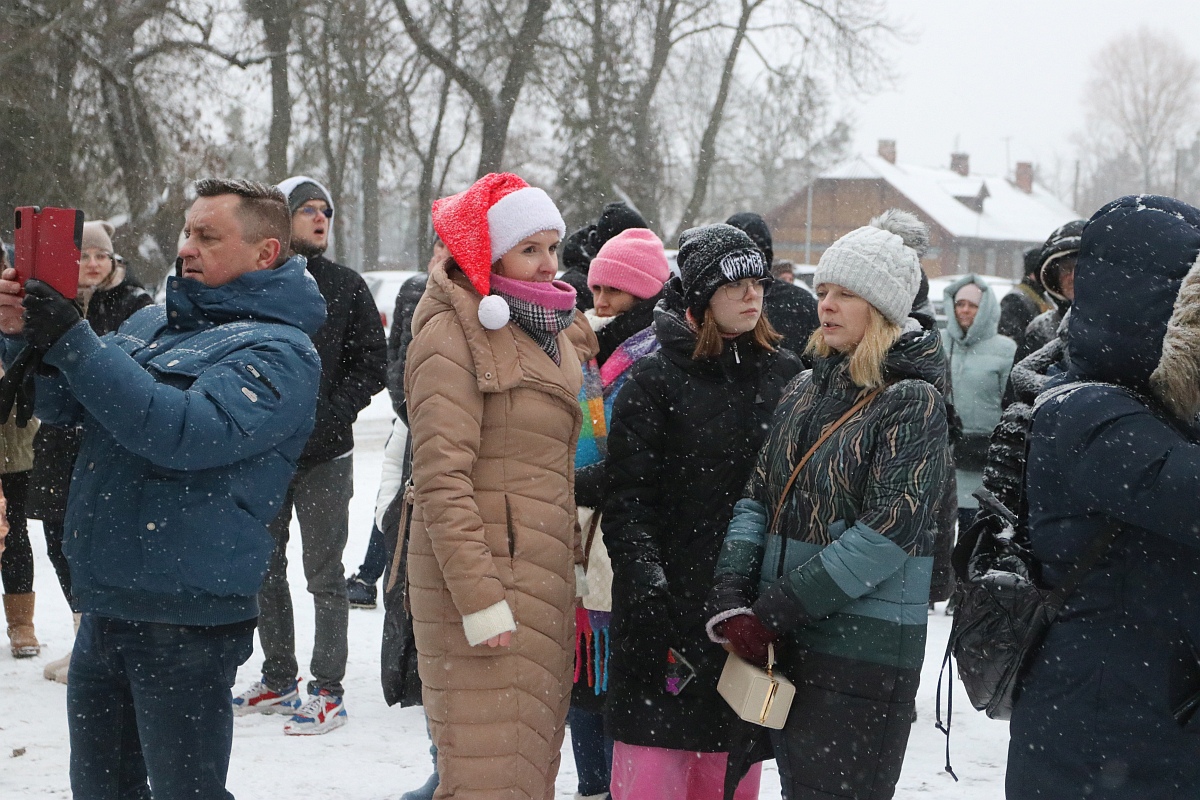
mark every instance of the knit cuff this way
{"type": "Point", "coordinates": [491, 621]}
{"type": "Point", "coordinates": [711, 625]}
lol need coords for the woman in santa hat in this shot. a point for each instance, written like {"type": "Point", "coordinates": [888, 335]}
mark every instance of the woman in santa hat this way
{"type": "Point", "coordinates": [493, 375]}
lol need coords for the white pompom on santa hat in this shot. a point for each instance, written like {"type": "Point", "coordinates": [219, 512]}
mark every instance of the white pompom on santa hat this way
{"type": "Point", "coordinates": [487, 220]}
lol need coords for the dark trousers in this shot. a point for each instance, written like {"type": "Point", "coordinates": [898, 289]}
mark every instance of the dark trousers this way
{"type": "Point", "coordinates": [148, 708]}
{"type": "Point", "coordinates": [321, 496]}
{"type": "Point", "coordinates": [16, 565]}
{"type": "Point", "coordinates": [53, 530]}
{"type": "Point", "coordinates": [375, 561]}
{"type": "Point", "coordinates": [593, 751]}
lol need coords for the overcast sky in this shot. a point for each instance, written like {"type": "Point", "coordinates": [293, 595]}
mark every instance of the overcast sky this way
{"type": "Point", "coordinates": [977, 72]}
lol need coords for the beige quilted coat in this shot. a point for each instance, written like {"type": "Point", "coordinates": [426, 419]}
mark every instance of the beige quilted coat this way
{"type": "Point", "coordinates": [494, 423]}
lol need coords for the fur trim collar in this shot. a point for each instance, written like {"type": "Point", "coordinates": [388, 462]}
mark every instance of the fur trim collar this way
{"type": "Point", "coordinates": [1176, 379]}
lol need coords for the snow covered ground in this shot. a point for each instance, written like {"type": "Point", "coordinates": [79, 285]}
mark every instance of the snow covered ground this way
{"type": "Point", "coordinates": [383, 751]}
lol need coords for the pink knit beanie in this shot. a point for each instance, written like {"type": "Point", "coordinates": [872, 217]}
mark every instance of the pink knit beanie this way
{"type": "Point", "coordinates": [633, 261]}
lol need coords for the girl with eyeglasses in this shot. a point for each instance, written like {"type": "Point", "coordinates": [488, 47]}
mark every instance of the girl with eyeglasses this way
{"type": "Point", "coordinates": [685, 430]}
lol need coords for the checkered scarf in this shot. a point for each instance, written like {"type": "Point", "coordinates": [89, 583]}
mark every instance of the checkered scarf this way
{"type": "Point", "coordinates": [542, 311]}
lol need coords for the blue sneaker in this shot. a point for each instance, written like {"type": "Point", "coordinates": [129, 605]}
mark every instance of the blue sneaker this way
{"type": "Point", "coordinates": [260, 699]}
{"type": "Point", "coordinates": [322, 713]}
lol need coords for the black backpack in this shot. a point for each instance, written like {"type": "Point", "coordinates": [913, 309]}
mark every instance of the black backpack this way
{"type": "Point", "coordinates": [1003, 609]}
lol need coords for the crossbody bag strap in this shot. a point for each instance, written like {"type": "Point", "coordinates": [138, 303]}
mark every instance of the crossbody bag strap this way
{"type": "Point", "coordinates": [854, 409]}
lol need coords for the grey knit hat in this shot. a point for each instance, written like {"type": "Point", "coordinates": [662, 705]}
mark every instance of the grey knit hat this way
{"type": "Point", "coordinates": [713, 255]}
{"type": "Point", "coordinates": [879, 262]}
{"type": "Point", "coordinates": [299, 189]}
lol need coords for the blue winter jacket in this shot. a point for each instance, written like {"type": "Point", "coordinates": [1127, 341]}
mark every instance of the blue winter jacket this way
{"type": "Point", "coordinates": [194, 415]}
{"type": "Point", "coordinates": [1096, 714]}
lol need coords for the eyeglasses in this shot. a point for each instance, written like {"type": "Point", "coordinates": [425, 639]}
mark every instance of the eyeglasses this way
{"type": "Point", "coordinates": [312, 211]}
{"type": "Point", "coordinates": [737, 290]}
{"type": "Point", "coordinates": [97, 257]}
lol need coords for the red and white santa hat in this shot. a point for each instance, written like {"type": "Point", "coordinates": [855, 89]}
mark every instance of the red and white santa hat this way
{"type": "Point", "coordinates": [487, 220]}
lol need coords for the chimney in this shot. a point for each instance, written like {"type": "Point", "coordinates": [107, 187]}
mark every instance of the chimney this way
{"type": "Point", "coordinates": [960, 163]}
{"type": "Point", "coordinates": [887, 150]}
{"type": "Point", "coordinates": [1025, 177]}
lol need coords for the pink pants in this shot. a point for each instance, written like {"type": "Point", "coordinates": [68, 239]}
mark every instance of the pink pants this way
{"type": "Point", "coordinates": [650, 773]}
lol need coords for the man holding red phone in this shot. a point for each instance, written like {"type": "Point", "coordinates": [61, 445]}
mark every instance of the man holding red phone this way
{"type": "Point", "coordinates": [194, 416]}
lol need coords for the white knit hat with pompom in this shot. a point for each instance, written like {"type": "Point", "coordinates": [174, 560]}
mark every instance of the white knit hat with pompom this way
{"type": "Point", "coordinates": [879, 262]}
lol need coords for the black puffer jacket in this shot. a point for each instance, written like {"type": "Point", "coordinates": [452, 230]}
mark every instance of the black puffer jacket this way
{"type": "Point", "coordinates": [55, 447]}
{"type": "Point", "coordinates": [353, 359]}
{"type": "Point", "coordinates": [683, 440]}
{"type": "Point", "coordinates": [399, 338]}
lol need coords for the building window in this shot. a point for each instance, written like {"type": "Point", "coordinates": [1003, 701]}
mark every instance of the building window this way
{"type": "Point", "coordinates": [964, 259]}
{"type": "Point", "coordinates": [989, 267]}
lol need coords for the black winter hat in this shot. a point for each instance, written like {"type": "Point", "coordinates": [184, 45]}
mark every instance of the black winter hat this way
{"type": "Point", "coordinates": [711, 256]}
{"type": "Point", "coordinates": [1063, 242]}
{"type": "Point", "coordinates": [574, 252]}
{"type": "Point", "coordinates": [756, 228]}
{"type": "Point", "coordinates": [616, 217]}
{"type": "Point", "coordinates": [1033, 263]}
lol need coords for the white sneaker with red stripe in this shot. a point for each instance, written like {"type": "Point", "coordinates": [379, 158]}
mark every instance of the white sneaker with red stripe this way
{"type": "Point", "coordinates": [322, 713]}
{"type": "Point", "coordinates": [259, 699]}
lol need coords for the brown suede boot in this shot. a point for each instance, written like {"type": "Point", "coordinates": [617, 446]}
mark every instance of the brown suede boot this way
{"type": "Point", "coordinates": [18, 610]}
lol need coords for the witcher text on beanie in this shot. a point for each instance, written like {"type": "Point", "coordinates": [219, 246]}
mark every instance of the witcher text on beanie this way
{"type": "Point", "coordinates": [713, 255]}
{"type": "Point", "coordinates": [880, 262]}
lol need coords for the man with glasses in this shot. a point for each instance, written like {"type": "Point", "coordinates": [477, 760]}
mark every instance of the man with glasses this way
{"type": "Point", "coordinates": [353, 368]}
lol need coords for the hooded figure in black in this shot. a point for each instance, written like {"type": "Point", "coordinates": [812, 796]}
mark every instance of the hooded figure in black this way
{"type": "Point", "coordinates": [685, 431]}
{"type": "Point", "coordinates": [1106, 708]}
{"type": "Point", "coordinates": [791, 309]}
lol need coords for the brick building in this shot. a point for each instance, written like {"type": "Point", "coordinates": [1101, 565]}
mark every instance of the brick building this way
{"type": "Point", "coordinates": [978, 223]}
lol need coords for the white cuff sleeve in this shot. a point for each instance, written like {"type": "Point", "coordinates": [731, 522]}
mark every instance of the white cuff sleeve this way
{"type": "Point", "coordinates": [491, 621]}
{"type": "Point", "coordinates": [719, 618]}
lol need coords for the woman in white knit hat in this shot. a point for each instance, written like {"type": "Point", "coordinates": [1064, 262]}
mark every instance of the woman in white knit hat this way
{"type": "Point", "coordinates": [831, 563]}
{"type": "Point", "coordinates": [492, 382]}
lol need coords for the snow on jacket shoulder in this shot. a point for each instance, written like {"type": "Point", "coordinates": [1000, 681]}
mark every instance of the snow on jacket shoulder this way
{"type": "Point", "coordinates": [194, 416]}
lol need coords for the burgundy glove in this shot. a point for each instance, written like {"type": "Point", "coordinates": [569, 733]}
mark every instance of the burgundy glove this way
{"type": "Point", "coordinates": [748, 637]}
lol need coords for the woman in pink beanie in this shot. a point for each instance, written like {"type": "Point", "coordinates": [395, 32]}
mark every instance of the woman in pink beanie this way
{"type": "Point", "coordinates": [626, 278]}
{"type": "Point", "coordinates": [491, 383]}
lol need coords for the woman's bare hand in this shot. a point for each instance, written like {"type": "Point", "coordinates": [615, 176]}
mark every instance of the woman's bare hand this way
{"type": "Point", "coordinates": [502, 640]}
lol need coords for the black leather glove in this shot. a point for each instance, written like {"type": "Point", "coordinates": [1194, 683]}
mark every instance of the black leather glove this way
{"type": "Point", "coordinates": [48, 315]}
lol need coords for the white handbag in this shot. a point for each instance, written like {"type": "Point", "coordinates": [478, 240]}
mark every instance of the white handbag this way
{"type": "Point", "coordinates": [756, 695]}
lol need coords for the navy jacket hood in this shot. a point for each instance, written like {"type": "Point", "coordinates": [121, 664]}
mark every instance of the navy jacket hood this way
{"type": "Point", "coordinates": [1135, 247]}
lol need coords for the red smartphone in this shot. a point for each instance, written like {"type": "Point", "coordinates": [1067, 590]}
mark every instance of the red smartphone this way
{"type": "Point", "coordinates": [46, 242]}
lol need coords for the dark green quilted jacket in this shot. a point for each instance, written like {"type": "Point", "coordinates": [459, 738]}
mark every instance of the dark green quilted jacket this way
{"type": "Point", "coordinates": [844, 576]}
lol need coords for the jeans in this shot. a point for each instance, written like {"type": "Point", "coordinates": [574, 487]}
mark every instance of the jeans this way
{"type": "Point", "coordinates": [593, 751]}
{"type": "Point", "coordinates": [148, 708]}
{"type": "Point", "coordinates": [375, 561]}
{"type": "Point", "coordinates": [321, 495]}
